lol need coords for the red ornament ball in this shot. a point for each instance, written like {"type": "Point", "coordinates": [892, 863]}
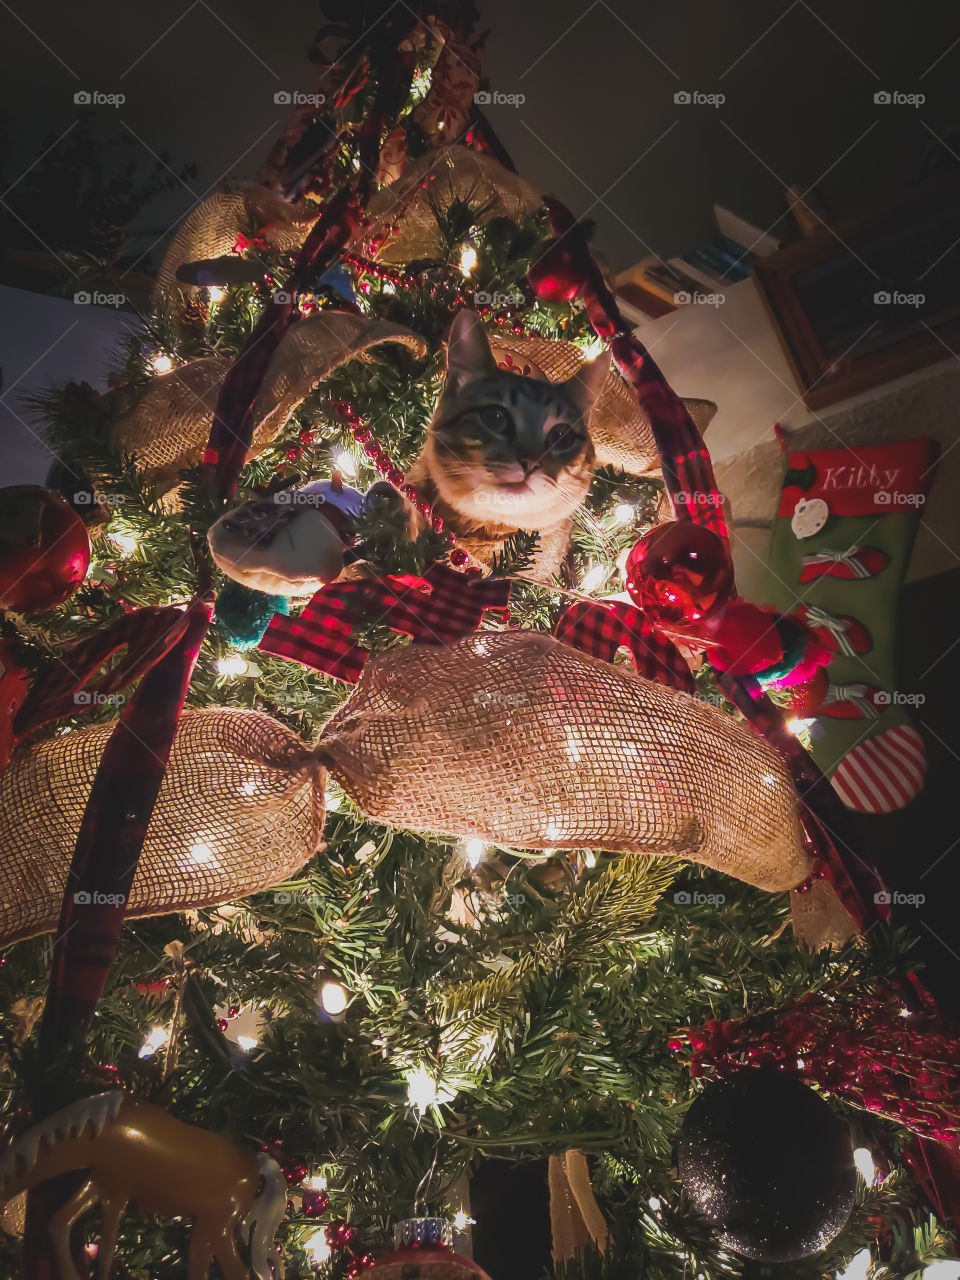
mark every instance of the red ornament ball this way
{"type": "Point", "coordinates": [44, 548]}
{"type": "Point", "coordinates": [426, 1262]}
{"type": "Point", "coordinates": [745, 639]}
{"type": "Point", "coordinates": [679, 573]}
{"type": "Point", "coordinates": [555, 275]}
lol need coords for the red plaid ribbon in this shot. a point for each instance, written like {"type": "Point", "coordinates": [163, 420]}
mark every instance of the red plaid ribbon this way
{"type": "Point", "coordinates": [439, 608]}
{"type": "Point", "coordinates": [146, 634]}
{"type": "Point", "coordinates": [602, 629]}
{"type": "Point", "coordinates": [685, 462]}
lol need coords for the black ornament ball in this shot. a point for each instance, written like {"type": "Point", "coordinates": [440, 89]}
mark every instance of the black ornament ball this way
{"type": "Point", "coordinates": [769, 1163]}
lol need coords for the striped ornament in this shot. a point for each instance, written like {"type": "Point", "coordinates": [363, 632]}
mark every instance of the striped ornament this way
{"type": "Point", "coordinates": [884, 773]}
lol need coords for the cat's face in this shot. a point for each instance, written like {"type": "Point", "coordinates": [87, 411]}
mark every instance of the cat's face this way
{"type": "Point", "coordinates": [506, 449]}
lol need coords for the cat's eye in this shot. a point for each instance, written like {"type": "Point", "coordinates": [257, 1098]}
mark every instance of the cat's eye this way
{"type": "Point", "coordinates": [563, 438]}
{"type": "Point", "coordinates": [495, 418]}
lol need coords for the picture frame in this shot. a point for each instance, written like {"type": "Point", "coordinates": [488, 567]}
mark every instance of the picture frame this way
{"type": "Point", "coordinates": [869, 299]}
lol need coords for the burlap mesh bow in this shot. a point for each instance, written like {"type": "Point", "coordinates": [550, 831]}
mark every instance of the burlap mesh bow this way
{"type": "Point", "coordinates": [518, 739]}
{"type": "Point", "coordinates": [240, 809]}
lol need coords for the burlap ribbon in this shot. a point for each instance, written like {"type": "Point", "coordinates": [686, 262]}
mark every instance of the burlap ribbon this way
{"type": "Point", "coordinates": [168, 427]}
{"type": "Point", "coordinates": [515, 738]}
{"type": "Point", "coordinates": [240, 809]}
{"type": "Point", "coordinates": [401, 226]}
{"type": "Point", "coordinates": [576, 1221]}
{"type": "Point", "coordinates": [211, 229]}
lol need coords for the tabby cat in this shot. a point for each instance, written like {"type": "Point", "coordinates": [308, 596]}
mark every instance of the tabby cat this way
{"type": "Point", "coordinates": [506, 452]}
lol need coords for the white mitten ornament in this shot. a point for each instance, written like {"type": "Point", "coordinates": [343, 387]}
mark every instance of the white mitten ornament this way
{"type": "Point", "coordinates": [290, 543]}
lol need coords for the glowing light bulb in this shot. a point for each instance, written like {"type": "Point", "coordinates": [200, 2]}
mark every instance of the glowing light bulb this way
{"type": "Point", "coordinates": [624, 512]}
{"type": "Point", "coordinates": [473, 850]}
{"type": "Point", "coordinates": [858, 1267]}
{"type": "Point", "coordinates": [334, 998]}
{"type": "Point", "coordinates": [345, 463]}
{"type": "Point", "coordinates": [215, 293]}
{"type": "Point", "coordinates": [316, 1182]}
{"type": "Point", "coordinates": [654, 1204]}
{"type": "Point", "coordinates": [317, 1248]}
{"type": "Point", "coordinates": [161, 363]}
{"type": "Point", "coordinates": [424, 1091]}
{"type": "Point", "coordinates": [232, 665]}
{"type": "Point", "coordinates": [201, 852]}
{"type": "Point", "coordinates": [155, 1040]}
{"type": "Point", "coordinates": [865, 1166]}
{"type": "Point", "coordinates": [125, 541]}
{"type": "Point", "coordinates": [593, 577]}
{"type": "Point", "coordinates": [468, 259]}
{"type": "Point", "coordinates": [247, 1043]}
{"type": "Point", "coordinates": [797, 725]}
{"type": "Point", "coordinates": [462, 1220]}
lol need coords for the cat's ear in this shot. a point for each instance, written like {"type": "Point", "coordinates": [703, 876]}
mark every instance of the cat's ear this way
{"type": "Point", "coordinates": [584, 387]}
{"type": "Point", "coordinates": [468, 351]}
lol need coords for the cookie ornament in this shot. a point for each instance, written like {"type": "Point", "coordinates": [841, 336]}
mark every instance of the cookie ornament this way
{"type": "Point", "coordinates": [809, 517]}
{"type": "Point", "coordinates": [291, 542]}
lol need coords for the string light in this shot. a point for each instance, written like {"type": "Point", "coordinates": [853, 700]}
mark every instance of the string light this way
{"type": "Point", "coordinates": [215, 293]}
{"type": "Point", "coordinates": [473, 851]}
{"type": "Point", "coordinates": [232, 665]}
{"type": "Point", "coordinates": [468, 260]}
{"type": "Point", "coordinates": [462, 1220]}
{"type": "Point", "coordinates": [865, 1166]}
{"type": "Point", "coordinates": [624, 512]}
{"type": "Point", "coordinates": [797, 725]}
{"type": "Point", "coordinates": [858, 1268]}
{"type": "Point", "coordinates": [593, 577]}
{"type": "Point", "coordinates": [346, 464]}
{"type": "Point", "coordinates": [155, 1040]}
{"type": "Point", "coordinates": [654, 1204]}
{"type": "Point", "coordinates": [317, 1246]}
{"type": "Point", "coordinates": [126, 542]}
{"type": "Point", "coordinates": [161, 362]}
{"type": "Point", "coordinates": [334, 998]}
{"type": "Point", "coordinates": [424, 1091]}
{"type": "Point", "coordinates": [316, 1182]}
{"type": "Point", "coordinates": [247, 1043]}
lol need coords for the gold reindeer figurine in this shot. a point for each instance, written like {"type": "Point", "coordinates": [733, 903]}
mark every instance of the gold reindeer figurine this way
{"type": "Point", "coordinates": [133, 1151]}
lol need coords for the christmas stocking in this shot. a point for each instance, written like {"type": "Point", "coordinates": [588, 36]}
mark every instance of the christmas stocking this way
{"type": "Point", "coordinates": [839, 553]}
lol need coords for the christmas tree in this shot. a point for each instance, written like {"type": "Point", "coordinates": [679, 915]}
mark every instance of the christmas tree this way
{"type": "Point", "coordinates": [302, 838]}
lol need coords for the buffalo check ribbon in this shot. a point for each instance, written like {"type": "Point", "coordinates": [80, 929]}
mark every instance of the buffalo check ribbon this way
{"type": "Point", "coordinates": [69, 688]}
{"type": "Point", "coordinates": [601, 629]}
{"type": "Point", "coordinates": [439, 608]}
